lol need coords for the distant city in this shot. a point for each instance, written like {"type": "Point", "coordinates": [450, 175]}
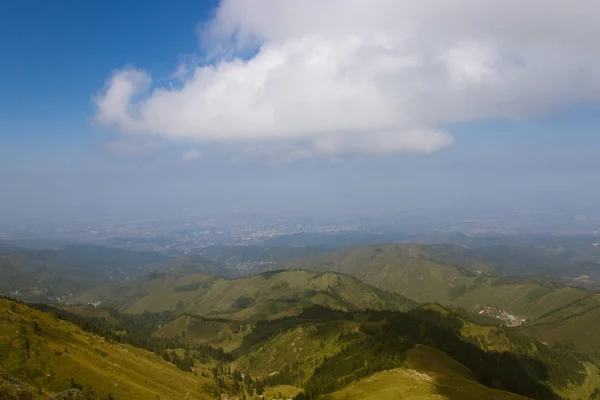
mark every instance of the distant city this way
{"type": "Point", "coordinates": [190, 234]}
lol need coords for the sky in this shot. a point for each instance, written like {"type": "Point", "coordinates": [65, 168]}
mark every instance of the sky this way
{"type": "Point", "coordinates": [148, 108]}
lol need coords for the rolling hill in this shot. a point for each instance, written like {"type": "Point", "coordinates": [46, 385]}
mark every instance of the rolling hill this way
{"type": "Point", "coordinates": [570, 324]}
{"type": "Point", "coordinates": [52, 355]}
{"type": "Point", "coordinates": [566, 257]}
{"type": "Point", "coordinates": [209, 331]}
{"type": "Point", "coordinates": [51, 276]}
{"type": "Point", "coordinates": [424, 275]}
{"type": "Point", "coordinates": [428, 351]}
{"type": "Point", "coordinates": [404, 268]}
{"type": "Point", "coordinates": [264, 296]}
{"type": "Point", "coordinates": [46, 275]}
{"type": "Point", "coordinates": [320, 353]}
{"type": "Point", "coordinates": [430, 374]}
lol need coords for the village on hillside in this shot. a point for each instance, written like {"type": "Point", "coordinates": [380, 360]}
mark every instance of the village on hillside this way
{"type": "Point", "coordinates": [507, 318]}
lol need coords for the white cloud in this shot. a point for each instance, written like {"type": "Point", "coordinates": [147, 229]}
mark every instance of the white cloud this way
{"type": "Point", "coordinates": [191, 155]}
{"type": "Point", "coordinates": [342, 77]}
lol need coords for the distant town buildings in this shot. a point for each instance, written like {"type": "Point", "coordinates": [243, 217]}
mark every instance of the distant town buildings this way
{"type": "Point", "coordinates": [507, 318]}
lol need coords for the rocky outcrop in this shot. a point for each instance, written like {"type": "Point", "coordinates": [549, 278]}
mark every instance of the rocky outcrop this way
{"type": "Point", "coordinates": [13, 389]}
{"type": "Point", "coordinates": [72, 394]}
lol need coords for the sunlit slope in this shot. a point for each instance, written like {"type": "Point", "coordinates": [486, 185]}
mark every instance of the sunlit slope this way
{"type": "Point", "coordinates": [429, 374]}
{"type": "Point", "coordinates": [406, 269]}
{"type": "Point", "coordinates": [419, 274]}
{"type": "Point", "coordinates": [306, 345]}
{"type": "Point", "coordinates": [264, 296]}
{"type": "Point", "coordinates": [576, 323]}
{"type": "Point", "coordinates": [526, 299]}
{"type": "Point", "coordinates": [198, 330]}
{"type": "Point", "coordinates": [54, 355]}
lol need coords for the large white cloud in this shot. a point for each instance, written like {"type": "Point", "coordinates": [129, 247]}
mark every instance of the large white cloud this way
{"type": "Point", "coordinates": [339, 77]}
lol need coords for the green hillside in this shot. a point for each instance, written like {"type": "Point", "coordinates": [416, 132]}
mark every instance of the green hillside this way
{"type": "Point", "coordinates": [575, 323]}
{"type": "Point", "coordinates": [323, 351]}
{"type": "Point", "coordinates": [404, 268]}
{"type": "Point", "coordinates": [52, 355]}
{"type": "Point", "coordinates": [264, 296]}
{"type": "Point", "coordinates": [430, 374]}
{"type": "Point", "coordinates": [430, 350]}
{"type": "Point", "coordinates": [425, 276]}
{"type": "Point", "coordinates": [46, 275]}
{"type": "Point", "coordinates": [305, 346]}
{"type": "Point", "coordinates": [207, 331]}
{"type": "Point", "coordinates": [565, 257]}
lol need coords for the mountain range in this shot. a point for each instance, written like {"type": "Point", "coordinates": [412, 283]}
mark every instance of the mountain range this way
{"type": "Point", "coordinates": [372, 322]}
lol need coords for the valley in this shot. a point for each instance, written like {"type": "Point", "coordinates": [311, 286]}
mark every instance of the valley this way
{"type": "Point", "coordinates": [365, 322]}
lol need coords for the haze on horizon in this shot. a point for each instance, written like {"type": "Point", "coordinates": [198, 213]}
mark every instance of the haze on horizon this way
{"type": "Point", "coordinates": [131, 109]}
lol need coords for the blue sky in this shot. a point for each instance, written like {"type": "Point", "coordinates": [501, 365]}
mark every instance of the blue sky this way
{"type": "Point", "coordinates": [65, 157]}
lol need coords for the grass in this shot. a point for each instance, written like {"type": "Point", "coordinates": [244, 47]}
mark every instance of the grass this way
{"type": "Point", "coordinates": [226, 334]}
{"type": "Point", "coordinates": [429, 374]}
{"type": "Point", "coordinates": [281, 392]}
{"type": "Point", "coordinates": [572, 323]}
{"type": "Point", "coordinates": [307, 344]}
{"type": "Point", "coordinates": [425, 275]}
{"type": "Point", "coordinates": [51, 355]}
{"type": "Point", "coordinates": [264, 296]}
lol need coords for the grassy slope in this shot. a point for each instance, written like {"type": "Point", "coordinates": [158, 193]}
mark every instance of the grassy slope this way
{"type": "Point", "coordinates": [309, 343]}
{"type": "Point", "coordinates": [431, 374]}
{"type": "Point", "coordinates": [491, 338]}
{"type": "Point", "coordinates": [528, 300]}
{"type": "Point", "coordinates": [281, 392]}
{"type": "Point", "coordinates": [268, 295]}
{"type": "Point", "coordinates": [406, 269]}
{"type": "Point", "coordinates": [306, 344]}
{"type": "Point", "coordinates": [424, 276]}
{"type": "Point", "coordinates": [40, 275]}
{"type": "Point", "coordinates": [62, 352]}
{"type": "Point", "coordinates": [576, 322]}
{"type": "Point", "coordinates": [205, 331]}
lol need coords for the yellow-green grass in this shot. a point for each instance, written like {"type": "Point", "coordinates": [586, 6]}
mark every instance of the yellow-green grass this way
{"type": "Point", "coordinates": [90, 312]}
{"type": "Point", "coordinates": [576, 323]}
{"type": "Point", "coordinates": [527, 300]}
{"type": "Point", "coordinates": [415, 272]}
{"type": "Point", "coordinates": [307, 345]}
{"type": "Point", "coordinates": [61, 353]}
{"type": "Point", "coordinates": [205, 331]}
{"type": "Point", "coordinates": [589, 386]}
{"type": "Point", "coordinates": [404, 268]}
{"type": "Point", "coordinates": [429, 374]}
{"type": "Point", "coordinates": [281, 392]}
{"type": "Point", "coordinates": [265, 296]}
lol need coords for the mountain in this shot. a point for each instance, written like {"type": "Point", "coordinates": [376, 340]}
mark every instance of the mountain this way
{"type": "Point", "coordinates": [215, 332]}
{"type": "Point", "coordinates": [45, 275]}
{"type": "Point", "coordinates": [51, 355]}
{"type": "Point", "coordinates": [404, 268]}
{"type": "Point", "coordinates": [575, 259]}
{"type": "Point", "coordinates": [53, 275]}
{"type": "Point", "coordinates": [426, 275]}
{"type": "Point", "coordinates": [429, 374]}
{"type": "Point", "coordinates": [320, 353]}
{"type": "Point", "coordinates": [570, 325]}
{"type": "Point", "coordinates": [431, 350]}
{"type": "Point", "coordinates": [264, 296]}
